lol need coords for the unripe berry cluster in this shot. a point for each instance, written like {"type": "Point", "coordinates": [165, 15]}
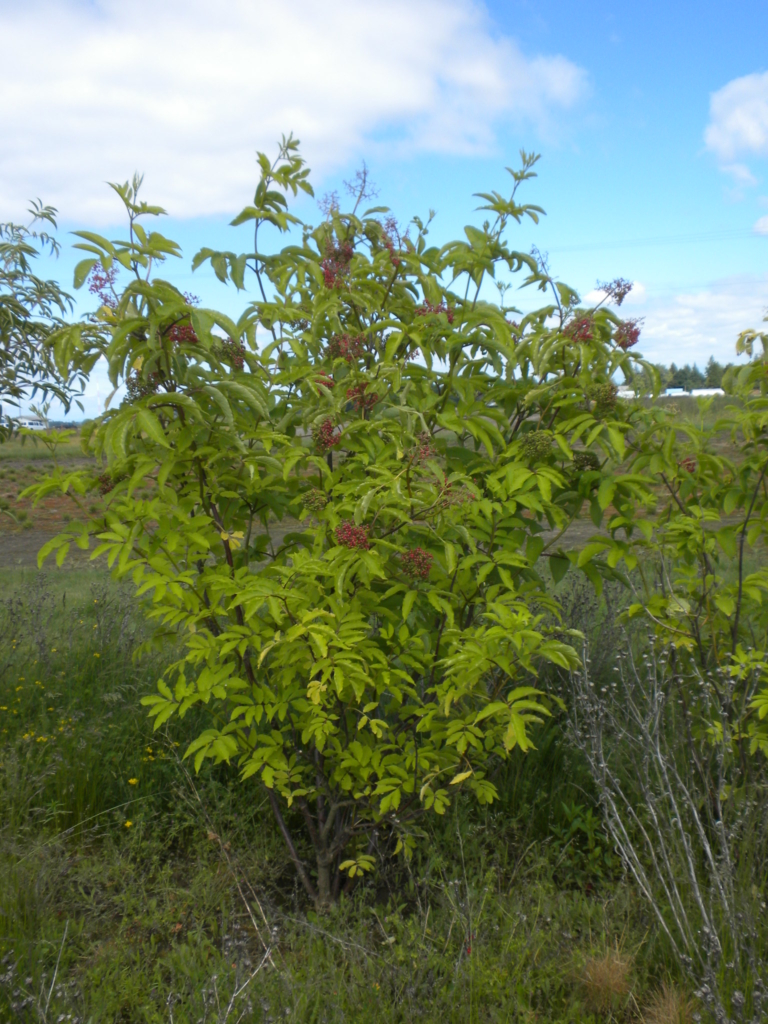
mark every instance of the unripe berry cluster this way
{"type": "Point", "coordinates": [585, 462]}
{"type": "Point", "coordinates": [315, 500]}
{"type": "Point", "coordinates": [604, 396]}
{"type": "Point", "coordinates": [537, 445]}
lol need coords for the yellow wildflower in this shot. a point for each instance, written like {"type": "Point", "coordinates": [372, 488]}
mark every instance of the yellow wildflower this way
{"type": "Point", "coordinates": [133, 782]}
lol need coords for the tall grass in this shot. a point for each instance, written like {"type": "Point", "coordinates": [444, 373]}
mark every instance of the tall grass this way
{"type": "Point", "coordinates": [34, 449]}
{"type": "Point", "coordinates": [159, 895]}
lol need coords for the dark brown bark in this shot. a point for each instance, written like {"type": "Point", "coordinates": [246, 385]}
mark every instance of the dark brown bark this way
{"type": "Point", "coordinates": [302, 871]}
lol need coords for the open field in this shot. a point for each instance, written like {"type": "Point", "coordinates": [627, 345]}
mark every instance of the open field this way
{"type": "Point", "coordinates": [27, 527]}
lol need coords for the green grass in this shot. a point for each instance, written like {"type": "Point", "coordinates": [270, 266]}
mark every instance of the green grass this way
{"type": "Point", "coordinates": [34, 449]}
{"type": "Point", "coordinates": [143, 880]}
{"type": "Point", "coordinates": [157, 891]}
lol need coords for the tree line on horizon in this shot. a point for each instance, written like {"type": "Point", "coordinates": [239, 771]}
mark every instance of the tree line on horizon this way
{"type": "Point", "coordinates": [687, 377]}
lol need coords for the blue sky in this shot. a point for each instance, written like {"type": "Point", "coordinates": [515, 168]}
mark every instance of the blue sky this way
{"type": "Point", "coordinates": [651, 119]}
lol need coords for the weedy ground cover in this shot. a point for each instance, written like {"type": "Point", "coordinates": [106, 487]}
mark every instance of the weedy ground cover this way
{"type": "Point", "coordinates": [133, 891]}
{"type": "Point", "coordinates": [24, 461]}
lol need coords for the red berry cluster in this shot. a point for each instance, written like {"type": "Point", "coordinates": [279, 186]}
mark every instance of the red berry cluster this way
{"type": "Point", "coordinates": [105, 482]}
{"type": "Point", "coordinates": [101, 282]}
{"type": "Point", "coordinates": [234, 352]}
{"type": "Point", "coordinates": [627, 333]}
{"type": "Point", "coordinates": [392, 234]}
{"type": "Point", "coordinates": [325, 436]}
{"type": "Point", "coordinates": [345, 346]}
{"type": "Point", "coordinates": [352, 536]}
{"type": "Point", "coordinates": [454, 496]}
{"type": "Point", "coordinates": [616, 290]}
{"type": "Point", "coordinates": [335, 265]}
{"type": "Point", "coordinates": [357, 394]}
{"type": "Point", "coordinates": [580, 329]}
{"type": "Point", "coordinates": [688, 464]}
{"type": "Point", "coordinates": [183, 334]}
{"type": "Point", "coordinates": [325, 380]}
{"type": "Point", "coordinates": [416, 563]}
{"type": "Point", "coordinates": [425, 448]}
{"type": "Point", "coordinates": [137, 387]}
{"type": "Point", "coordinates": [431, 308]}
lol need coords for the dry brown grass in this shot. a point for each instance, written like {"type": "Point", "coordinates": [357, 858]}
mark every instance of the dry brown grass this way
{"type": "Point", "coordinates": [606, 980]}
{"type": "Point", "coordinates": [668, 1005]}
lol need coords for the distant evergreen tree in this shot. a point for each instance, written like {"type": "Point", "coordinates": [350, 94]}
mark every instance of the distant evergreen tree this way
{"type": "Point", "coordinates": [686, 377]}
{"type": "Point", "coordinates": [714, 373]}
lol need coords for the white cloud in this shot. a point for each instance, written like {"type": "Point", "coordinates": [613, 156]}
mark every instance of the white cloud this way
{"type": "Point", "coordinates": [740, 173]}
{"type": "Point", "coordinates": [187, 90]}
{"type": "Point", "coordinates": [691, 326]}
{"type": "Point", "coordinates": [738, 124]}
{"type": "Point", "coordinates": [637, 296]}
{"type": "Point", "coordinates": [760, 227]}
